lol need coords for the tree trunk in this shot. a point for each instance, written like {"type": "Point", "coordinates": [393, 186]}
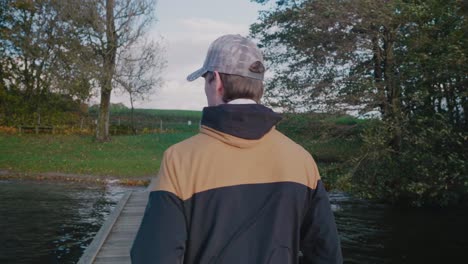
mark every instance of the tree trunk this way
{"type": "Point", "coordinates": [102, 131]}
{"type": "Point", "coordinates": [378, 72]}
{"type": "Point", "coordinates": [393, 90]}
{"type": "Point", "coordinates": [132, 116]}
{"type": "Point", "coordinates": [465, 112]}
{"type": "Point", "coordinates": [109, 57]}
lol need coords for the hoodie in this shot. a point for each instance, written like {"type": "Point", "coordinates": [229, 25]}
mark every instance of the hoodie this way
{"type": "Point", "coordinates": [237, 192]}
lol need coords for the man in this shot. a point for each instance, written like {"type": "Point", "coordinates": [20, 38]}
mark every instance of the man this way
{"type": "Point", "coordinates": [239, 191]}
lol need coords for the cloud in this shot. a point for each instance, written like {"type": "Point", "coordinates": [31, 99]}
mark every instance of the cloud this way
{"type": "Point", "coordinates": [186, 46]}
{"type": "Point", "coordinates": [178, 94]}
{"type": "Point", "coordinates": [175, 94]}
{"type": "Point", "coordinates": [205, 29]}
{"type": "Point", "coordinates": [186, 51]}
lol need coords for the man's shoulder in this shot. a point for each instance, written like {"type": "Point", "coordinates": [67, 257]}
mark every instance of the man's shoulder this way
{"type": "Point", "coordinates": [202, 143]}
{"type": "Point", "coordinates": [289, 146]}
{"type": "Point", "coordinates": [191, 144]}
{"type": "Point", "coordinates": [295, 157]}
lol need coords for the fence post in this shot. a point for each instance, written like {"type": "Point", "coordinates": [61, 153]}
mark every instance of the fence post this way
{"type": "Point", "coordinates": [160, 125]}
{"type": "Point", "coordinates": [37, 130]}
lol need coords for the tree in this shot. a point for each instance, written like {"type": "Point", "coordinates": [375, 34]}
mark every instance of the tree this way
{"type": "Point", "coordinates": [109, 26]}
{"type": "Point", "coordinates": [332, 55]}
{"type": "Point", "coordinates": [139, 72]}
{"type": "Point", "coordinates": [38, 58]}
{"type": "Point", "coordinates": [407, 59]}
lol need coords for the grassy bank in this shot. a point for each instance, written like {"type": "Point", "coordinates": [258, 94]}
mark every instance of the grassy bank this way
{"type": "Point", "coordinates": [330, 139]}
{"type": "Point", "coordinates": [124, 156]}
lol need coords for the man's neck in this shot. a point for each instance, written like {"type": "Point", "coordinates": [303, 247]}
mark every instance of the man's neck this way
{"type": "Point", "coordinates": [242, 101]}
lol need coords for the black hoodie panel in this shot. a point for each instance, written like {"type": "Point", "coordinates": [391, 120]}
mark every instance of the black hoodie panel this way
{"type": "Point", "coordinates": [247, 121]}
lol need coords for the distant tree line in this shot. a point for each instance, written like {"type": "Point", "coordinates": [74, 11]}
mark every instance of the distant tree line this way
{"type": "Point", "coordinates": [405, 59]}
{"type": "Point", "coordinates": [56, 54]}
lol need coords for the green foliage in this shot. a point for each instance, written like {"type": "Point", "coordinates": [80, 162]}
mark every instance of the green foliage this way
{"type": "Point", "coordinates": [406, 59]}
{"type": "Point", "coordinates": [44, 68]}
{"type": "Point", "coordinates": [431, 169]}
{"type": "Point", "coordinates": [151, 120]}
{"type": "Point", "coordinates": [52, 48]}
{"type": "Point", "coordinates": [325, 52]}
{"type": "Point", "coordinates": [94, 109]}
{"type": "Point", "coordinates": [331, 139]}
{"type": "Point", "coordinates": [52, 109]}
{"type": "Point", "coordinates": [174, 113]}
{"type": "Point", "coordinates": [311, 126]}
{"type": "Point", "coordinates": [165, 115]}
{"type": "Point", "coordinates": [347, 120]}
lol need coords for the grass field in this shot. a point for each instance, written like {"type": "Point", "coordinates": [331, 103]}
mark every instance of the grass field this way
{"type": "Point", "coordinates": [124, 156]}
{"type": "Point", "coordinates": [159, 113]}
{"type": "Point", "coordinates": [150, 119]}
{"type": "Point", "coordinates": [330, 139]}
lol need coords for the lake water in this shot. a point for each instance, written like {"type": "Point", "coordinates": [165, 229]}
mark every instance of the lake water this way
{"type": "Point", "coordinates": [44, 222]}
{"type": "Point", "coordinates": [376, 233]}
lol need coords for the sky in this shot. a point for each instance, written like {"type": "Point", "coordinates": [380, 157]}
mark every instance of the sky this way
{"type": "Point", "coordinates": [187, 27]}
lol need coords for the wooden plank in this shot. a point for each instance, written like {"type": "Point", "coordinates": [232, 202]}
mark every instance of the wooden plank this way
{"type": "Point", "coordinates": [116, 237]}
{"type": "Point", "coordinates": [93, 249]}
{"type": "Point", "coordinates": [132, 214]}
{"type": "Point", "coordinates": [113, 246]}
{"type": "Point", "coordinates": [138, 203]}
{"type": "Point", "coordinates": [134, 208]}
{"type": "Point", "coordinates": [114, 252]}
{"type": "Point", "coordinates": [113, 260]}
{"type": "Point", "coordinates": [130, 220]}
{"type": "Point", "coordinates": [119, 243]}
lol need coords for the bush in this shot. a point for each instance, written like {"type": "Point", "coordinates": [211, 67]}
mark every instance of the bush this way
{"type": "Point", "coordinates": [429, 170]}
{"type": "Point", "coordinates": [8, 130]}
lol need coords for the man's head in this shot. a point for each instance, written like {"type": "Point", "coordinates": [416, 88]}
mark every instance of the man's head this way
{"type": "Point", "coordinates": [233, 69]}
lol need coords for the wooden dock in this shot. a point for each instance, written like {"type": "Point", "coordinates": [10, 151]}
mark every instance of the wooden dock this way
{"type": "Point", "coordinates": [113, 241]}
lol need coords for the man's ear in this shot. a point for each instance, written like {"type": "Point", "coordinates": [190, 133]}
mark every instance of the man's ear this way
{"type": "Point", "coordinates": [219, 84]}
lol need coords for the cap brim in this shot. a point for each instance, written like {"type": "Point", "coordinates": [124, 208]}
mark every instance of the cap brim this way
{"type": "Point", "coordinates": [197, 74]}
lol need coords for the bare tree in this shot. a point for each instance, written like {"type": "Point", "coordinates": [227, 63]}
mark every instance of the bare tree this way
{"type": "Point", "coordinates": [139, 72]}
{"type": "Point", "coordinates": [109, 26]}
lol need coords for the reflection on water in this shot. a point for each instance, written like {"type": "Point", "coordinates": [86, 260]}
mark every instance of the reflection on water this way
{"type": "Point", "coordinates": [375, 233]}
{"type": "Point", "coordinates": [54, 222]}
{"type": "Point", "coordinates": [51, 222]}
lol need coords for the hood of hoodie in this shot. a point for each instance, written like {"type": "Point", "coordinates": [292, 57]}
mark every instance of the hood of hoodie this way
{"type": "Point", "coordinates": [249, 122]}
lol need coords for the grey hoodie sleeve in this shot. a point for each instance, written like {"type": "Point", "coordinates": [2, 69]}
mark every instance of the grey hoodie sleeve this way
{"type": "Point", "coordinates": [320, 243]}
{"type": "Point", "coordinates": [162, 234]}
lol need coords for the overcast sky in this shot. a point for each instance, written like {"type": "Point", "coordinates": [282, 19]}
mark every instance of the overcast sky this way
{"type": "Point", "coordinates": [187, 28]}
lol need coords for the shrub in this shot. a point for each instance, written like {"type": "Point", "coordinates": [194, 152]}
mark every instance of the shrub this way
{"type": "Point", "coordinates": [431, 168]}
{"type": "Point", "coordinates": [8, 130]}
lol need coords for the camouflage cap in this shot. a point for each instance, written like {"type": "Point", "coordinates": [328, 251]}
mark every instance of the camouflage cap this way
{"type": "Point", "coordinates": [231, 54]}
